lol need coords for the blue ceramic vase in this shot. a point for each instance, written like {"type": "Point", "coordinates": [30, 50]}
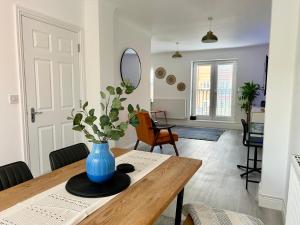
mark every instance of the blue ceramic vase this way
{"type": "Point", "coordinates": [100, 163]}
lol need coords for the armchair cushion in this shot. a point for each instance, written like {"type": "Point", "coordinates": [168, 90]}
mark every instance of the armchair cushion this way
{"type": "Point", "coordinates": [164, 136]}
{"type": "Point", "coordinates": [203, 215]}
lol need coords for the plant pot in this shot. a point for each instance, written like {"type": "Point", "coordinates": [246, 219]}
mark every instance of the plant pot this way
{"type": "Point", "coordinates": [100, 163]}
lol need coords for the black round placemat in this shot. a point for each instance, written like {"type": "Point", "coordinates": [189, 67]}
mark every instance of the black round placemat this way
{"type": "Point", "coordinates": [80, 185]}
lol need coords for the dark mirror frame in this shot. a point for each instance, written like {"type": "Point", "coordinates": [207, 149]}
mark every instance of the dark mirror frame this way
{"type": "Point", "coordinates": [139, 63]}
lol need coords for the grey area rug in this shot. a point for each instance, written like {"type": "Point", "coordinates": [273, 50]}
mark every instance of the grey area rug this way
{"type": "Point", "coordinates": [208, 134]}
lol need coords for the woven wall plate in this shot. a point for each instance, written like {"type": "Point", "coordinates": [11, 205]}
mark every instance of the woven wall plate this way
{"type": "Point", "coordinates": [181, 86]}
{"type": "Point", "coordinates": [171, 79]}
{"type": "Point", "coordinates": [160, 72]}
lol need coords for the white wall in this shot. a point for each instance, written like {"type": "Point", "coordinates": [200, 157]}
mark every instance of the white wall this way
{"type": "Point", "coordinates": [92, 53]}
{"type": "Point", "coordinates": [250, 66]}
{"type": "Point", "coordinates": [115, 36]}
{"type": "Point", "coordinates": [295, 122]}
{"type": "Point", "coordinates": [129, 36]}
{"type": "Point", "coordinates": [280, 133]}
{"type": "Point", "coordinates": [70, 11]}
{"type": "Point", "coordinates": [107, 43]}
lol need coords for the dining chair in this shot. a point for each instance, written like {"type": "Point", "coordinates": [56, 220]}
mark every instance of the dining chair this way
{"type": "Point", "coordinates": [68, 155]}
{"type": "Point", "coordinates": [154, 134]}
{"type": "Point", "coordinates": [13, 174]}
{"type": "Point", "coordinates": [197, 214]}
{"type": "Point", "coordinates": [256, 142]}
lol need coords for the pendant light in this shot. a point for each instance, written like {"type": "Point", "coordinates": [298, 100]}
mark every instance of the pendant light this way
{"type": "Point", "coordinates": [177, 53]}
{"type": "Point", "coordinates": [210, 37]}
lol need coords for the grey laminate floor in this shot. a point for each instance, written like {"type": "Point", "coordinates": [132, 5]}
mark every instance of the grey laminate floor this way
{"type": "Point", "coordinates": [217, 183]}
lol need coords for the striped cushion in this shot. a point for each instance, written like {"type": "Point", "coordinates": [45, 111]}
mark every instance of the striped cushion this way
{"type": "Point", "coordinates": [203, 215]}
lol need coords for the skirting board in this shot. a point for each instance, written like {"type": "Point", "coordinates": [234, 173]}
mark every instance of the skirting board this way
{"type": "Point", "coordinates": [204, 123]}
{"type": "Point", "coordinates": [272, 202]}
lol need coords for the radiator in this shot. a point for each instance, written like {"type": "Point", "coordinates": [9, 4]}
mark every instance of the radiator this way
{"type": "Point", "coordinates": [293, 204]}
{"type": "Point", "coordinates": [175, 107]}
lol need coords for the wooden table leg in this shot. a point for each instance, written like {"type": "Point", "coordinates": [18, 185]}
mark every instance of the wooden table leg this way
{"type": "Point", "coordinates": [179, 207]}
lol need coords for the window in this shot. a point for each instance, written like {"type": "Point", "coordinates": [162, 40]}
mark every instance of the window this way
{"type": "Point", "coordinates": [212, 89]}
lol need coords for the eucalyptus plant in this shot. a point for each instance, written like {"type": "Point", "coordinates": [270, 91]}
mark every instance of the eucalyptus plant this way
{"type": "Point", "coordinates": [247, 94]}
{"type": "Point", "coordinates": [107, 126]}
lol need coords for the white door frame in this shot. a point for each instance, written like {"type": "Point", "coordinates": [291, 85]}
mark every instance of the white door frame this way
{"type": "Point", "coordinates": [23, 12]}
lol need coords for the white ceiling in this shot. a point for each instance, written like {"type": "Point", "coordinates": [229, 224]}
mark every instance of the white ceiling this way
{"type": "Point", "coordinates": [236, 22]}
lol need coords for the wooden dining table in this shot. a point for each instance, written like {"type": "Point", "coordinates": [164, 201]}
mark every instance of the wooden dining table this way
{"type": "Point", "coordinates": [140, 204]}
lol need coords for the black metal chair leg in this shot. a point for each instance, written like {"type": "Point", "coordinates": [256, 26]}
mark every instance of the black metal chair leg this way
{"type": "Point", "coordinates": [255, 158]}
{"type": "Point", "coordinates": [152, 147]}
{"type": "Point", "coordinates": [247, 170]}
{"type": "Point", "coordinates": [136, 144]}
{"type": "Point", "coordinates": [243, 167]}
{"type": "Point", "coordinates": [179, 207]}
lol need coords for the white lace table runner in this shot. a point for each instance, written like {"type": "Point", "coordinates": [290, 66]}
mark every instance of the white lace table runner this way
{"type": "Point", "coordinates": [57, 207]}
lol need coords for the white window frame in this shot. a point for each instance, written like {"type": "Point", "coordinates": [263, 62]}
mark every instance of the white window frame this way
{"type": "Point", "coordinates": [213, 101]}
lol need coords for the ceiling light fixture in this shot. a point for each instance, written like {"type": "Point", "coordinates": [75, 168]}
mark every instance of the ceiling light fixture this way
{"type": "Point", "coordinates": [177, 53]}
{"type": "Point", "coordinates": [210, 37]}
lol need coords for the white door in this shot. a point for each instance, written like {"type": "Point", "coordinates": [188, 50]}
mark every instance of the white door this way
{"type": "Point", "coordinates": [52, 76]}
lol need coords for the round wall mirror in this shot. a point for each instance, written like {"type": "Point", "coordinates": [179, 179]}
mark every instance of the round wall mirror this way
{"type": "Point", "coordinates": [130, 67]}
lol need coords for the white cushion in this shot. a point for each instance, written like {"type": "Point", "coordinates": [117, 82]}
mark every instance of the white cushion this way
{"type": "Point", "coordinates": [203, 215]}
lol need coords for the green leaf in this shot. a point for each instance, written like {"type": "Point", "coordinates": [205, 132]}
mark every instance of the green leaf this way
{"type": "Point", "coordinates": [92, 112]}
{"type": "Point", "coordinates": [104, 120]}
{"type": "Point", "coordinates": [116, 103]}
{"type": "Point", "coordinates": [123, 99]}
{"type": "Point", "coordinates": [134, 121]}
{"type": "Point", "coordinates": [130, 108]}
{"type": "Point", "coordinates": [111, 90]}
{"type": "Point", "coordinates": [78, 128]}
{"type": "Point", "coordinates": [85, 105]}
{"type": "Point", "coordinates": [107, 130]}
{"type": "Point", "coordinates": [131, 115]}
{"type": "Point", "coordinates": [95, 128]}
{"type": "Point", "coordinates": [116, 134]}
{"type": "Point", "coordinates": [119, 90]}
{"type": "Point", "coordinates": [101, 134]}
{"type": "Point", "coordinates": [102, 106]}
{"type": "Point", "coordinates": [89, 136]}
{"type": "Point", "coordinates": [103, 95]}
{"type": "Point", "coordinates": [129, 89]}
{"type": "Point", "coordinates": [90, 120]}
{"type": "Point", "coordinates": [123, 126]}
{"type": "Point", "coordinates": [77, 119]}
{"type": "Point", "coordinates": [113, 115]}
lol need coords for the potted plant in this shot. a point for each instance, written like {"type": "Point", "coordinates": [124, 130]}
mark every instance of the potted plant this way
{"type": "Point", "coordinates": [248, 92]}
{"type": "Point", "coordinates": [100, 163]}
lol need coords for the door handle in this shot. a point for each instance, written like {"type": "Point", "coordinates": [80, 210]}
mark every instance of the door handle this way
{"type": "Point", "coordinates": [33, 114]}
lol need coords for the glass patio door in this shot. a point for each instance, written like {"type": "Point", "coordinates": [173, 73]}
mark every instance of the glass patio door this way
{"type": "Point", "coordinates": [212, 90]}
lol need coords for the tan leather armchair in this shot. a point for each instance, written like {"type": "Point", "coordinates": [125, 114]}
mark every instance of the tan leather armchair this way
{"type": "Point", "coordinates": [154, 135]}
